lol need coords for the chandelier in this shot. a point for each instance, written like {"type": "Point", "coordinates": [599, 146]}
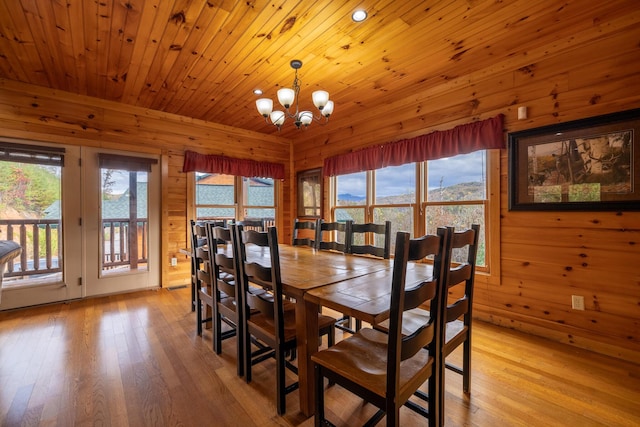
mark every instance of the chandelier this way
{"type": "Point", "coordinates": [287, 97]}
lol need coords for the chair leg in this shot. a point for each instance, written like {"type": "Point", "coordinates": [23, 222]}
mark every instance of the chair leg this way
{"type": "Point", "coordinates": [217, 331]}
{"type": "Point", "coordinates": [319, 400]}
{"type": "Point", "coordinates": [466, 364]}
{"type": "Point", "coordinates": [193, 296]}
{"type": "Point", "coordinates": [436, 389]}
{"type": "Point", "coordinates": [247, 356]}
{"type": "Point", "coordinates": [198, 309]}
{"type": "Point", "coordinates": [393, 414]}
{"type": "Point", "coordinates": [281, 393]}
{"type": "Point", "coordinates": [240, 358]}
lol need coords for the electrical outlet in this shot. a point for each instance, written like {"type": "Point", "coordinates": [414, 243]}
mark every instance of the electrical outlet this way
{"type": "Point", "coordinates": [577, 302]}
{"type": "Point", "coordinates": [174, 262]}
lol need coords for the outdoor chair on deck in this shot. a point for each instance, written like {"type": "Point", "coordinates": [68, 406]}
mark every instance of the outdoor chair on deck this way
{"type": "Point", "coordinates": [386, 369]}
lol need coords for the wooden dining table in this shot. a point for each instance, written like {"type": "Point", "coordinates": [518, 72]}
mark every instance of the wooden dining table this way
{"type": "Point", "coordinates": [303, 270]}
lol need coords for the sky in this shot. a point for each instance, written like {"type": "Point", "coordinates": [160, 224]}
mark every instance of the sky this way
{"type": "Point", "coordinates": [400, 179]}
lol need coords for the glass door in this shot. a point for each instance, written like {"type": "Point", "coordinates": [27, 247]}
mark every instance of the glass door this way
{"type": "Point", "coordinates": [121, 222]}
{"type": "Point", "coordinates": [40, 209]}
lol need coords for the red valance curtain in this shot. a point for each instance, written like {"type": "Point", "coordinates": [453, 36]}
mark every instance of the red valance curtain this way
{"type": "Point", "coordinates": [230, 166]}
{"type": "Point", "coordinates": [366, 159]}
{"type": "Point", "coordinates": [462, 139]}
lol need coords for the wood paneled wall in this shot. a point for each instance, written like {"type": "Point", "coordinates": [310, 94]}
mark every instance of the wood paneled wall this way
{"type": "Point", "coordinates": [545, 256]}
{"type": "Point", "coordinates": [39, 114]}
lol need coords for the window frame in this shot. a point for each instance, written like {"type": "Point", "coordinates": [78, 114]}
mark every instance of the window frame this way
{"type": "Point", "coordinates": [240, 196]}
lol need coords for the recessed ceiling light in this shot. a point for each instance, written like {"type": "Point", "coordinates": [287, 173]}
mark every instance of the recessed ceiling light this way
{"type": "Point", "coordinates": [359, 16]}
{"type": "Point", "coordinates": [257, 91]}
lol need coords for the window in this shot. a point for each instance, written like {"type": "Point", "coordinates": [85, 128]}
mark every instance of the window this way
{"type": "Point", "coordinates": [259, 198]}
{"type": "Point", "coordinates": [455, 195]}
{"type": "Point", "coordinates": [215, 196]}
{"type": "Point", "coordinates": [419, 197]}
{"type": "Point", "coordinates": [220, 196]}
{"type": "Point", "coordinates": [310, 193]}
{"type": "Point", "coordinates": [395, 197]}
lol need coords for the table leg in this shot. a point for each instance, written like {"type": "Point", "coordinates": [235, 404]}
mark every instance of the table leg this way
{"type": "Point", "coordinates": [307, 335]}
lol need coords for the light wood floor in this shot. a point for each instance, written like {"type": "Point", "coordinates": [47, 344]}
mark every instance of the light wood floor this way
{"type": "Point", "coordinates": [135, 360]}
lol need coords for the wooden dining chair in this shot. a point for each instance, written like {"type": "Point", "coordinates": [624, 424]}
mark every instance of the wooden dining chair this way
{"type": "Point", "coordinates": [224, 293]}
{"type": "Point", "coordinates": [371, 239]}
{"type": "Point", "coordinates": [457, 306]}
{"type": "Point", "coordinates": [268, 318]}
{"type": "Point", "coordinates": [202, 277]}
{"type": "Point", "coordinates": [328, 239]}
{"type": "Point", "coordinates": [304, 233]}
{"type": "Point", "coordinates": [458, 303]}
{"type": "Point", "coordinates": [198, 239]}
{"type": "Point", "coordinates": [385, 369]}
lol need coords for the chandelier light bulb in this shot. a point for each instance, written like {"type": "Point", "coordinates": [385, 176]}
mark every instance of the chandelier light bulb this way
{"type": "Point", "coordinates": [328, 109]}
{"type": "Point", "coordinates": [320, 98]}
{"type": "Point", "coordinates": [306, 117]}
{"type": "Point", "coordinates": [286, 97]}
{"type": "Point", "coordinates": [277, 117]}
{"type": "Point", "coordinates": [265, 106]}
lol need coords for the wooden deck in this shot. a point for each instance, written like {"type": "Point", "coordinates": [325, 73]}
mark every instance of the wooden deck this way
{"type": "Point", "coordinates": [135, 360]}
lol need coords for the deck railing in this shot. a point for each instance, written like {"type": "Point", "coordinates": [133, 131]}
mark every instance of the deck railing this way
{"type": "Point", "coordinates": [116, 236]}
{"type": "Point", "coordinates": [41, 244]}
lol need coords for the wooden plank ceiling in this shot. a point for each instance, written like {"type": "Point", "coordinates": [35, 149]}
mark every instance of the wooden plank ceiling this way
{"type": "Point", "coordinates": [203, 59]}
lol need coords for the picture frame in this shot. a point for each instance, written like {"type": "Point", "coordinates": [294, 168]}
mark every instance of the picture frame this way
{"type": "Point", "coordinates": [590, 164]}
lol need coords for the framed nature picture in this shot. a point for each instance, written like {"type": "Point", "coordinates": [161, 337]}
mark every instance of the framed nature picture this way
{"type": "Point", "coordinates": [589, 164]}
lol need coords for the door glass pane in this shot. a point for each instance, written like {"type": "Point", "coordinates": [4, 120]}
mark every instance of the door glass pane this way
{"type": "Point", "coordinates": [125, 230]}
{"type": "Point", "coordinates": [30, 215]}
{"type": "Point", "coordinates": [461, 177]}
